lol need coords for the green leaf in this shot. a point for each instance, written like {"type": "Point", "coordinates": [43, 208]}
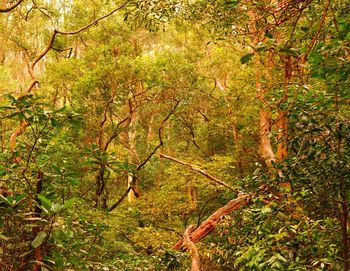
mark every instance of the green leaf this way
{"type": "Point", "coordinates": [304, 28]}
{"type": "Point", "coordinates": [59, 235]}
{"type": "Point", "coordinates": [54, 122]}
{"type": "Point", "coordinates": [46, 203]}
{"type": "Point", "coordinates": [56, 168]}
{"type": "Point", "coordinates": [316, 58]}
{"type": "Point", "coordinates": [63, 109]}
{"type": "Point", "coordinates": [245, 59]}
{"type": "Point", "coordinates": [289, 51]}
{"type": "Point", "coordinates": [6, 200]}
{"type": "Point", "coordinates": [69, 203]}
{"type": "Point", "coordinates": [39, 239]}
{"type": "Point", "coordinates": [268, 35]}
{"type": "Point", "coordinates": [266, 210]}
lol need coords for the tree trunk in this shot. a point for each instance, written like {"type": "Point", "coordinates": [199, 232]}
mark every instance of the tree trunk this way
{"type": "Point", "coordinates": [344, 232]}
{"type": "Point", "coordinates": [100, 188]}
{"type": "Point", "coordinates": [38, 253]}
{"type": "Point", "coordinates": [192, 195]}
{"type": "Point", "coordinates": [237, 142]}
{"type": "Point", "coordinates": [131, 193]}
{"type": "Point", "coordinates": [282, 136]}
{"type": "Point", "coordinates": [265, 144]}
{"type": "Point", "coordinates": [192, 249]}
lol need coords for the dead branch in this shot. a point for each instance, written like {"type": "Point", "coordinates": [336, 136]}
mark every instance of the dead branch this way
{"type": "Point", "coordinates": [200, 171]}
{"type": "Point", "coordinates": [11, 7]}
{"type": "Point", "coordinates": [210, 223]}
{"type": "Point", "coordinates": [191, 248]}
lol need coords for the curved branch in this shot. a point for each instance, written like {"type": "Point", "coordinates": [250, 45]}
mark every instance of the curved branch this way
{"type": "Point", "coordinates": [31, 66]}
{"type": "Point", "coordinates": [9, 8]}
{"type": "Point", "coordinates": [115, 205]}
{"type": "Point", "coordinates": [92, 23]}
{"type": "Point", "coordinates": [317, 34]}
{"type": "Point", "coordinates": [66, 33]}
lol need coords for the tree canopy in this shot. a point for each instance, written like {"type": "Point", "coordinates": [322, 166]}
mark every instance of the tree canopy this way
{"type": "Point", "coordinates": [174, 135]}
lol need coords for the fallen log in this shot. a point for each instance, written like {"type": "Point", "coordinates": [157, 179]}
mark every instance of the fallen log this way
{"type": "Point", "coordinates": [210, 223]}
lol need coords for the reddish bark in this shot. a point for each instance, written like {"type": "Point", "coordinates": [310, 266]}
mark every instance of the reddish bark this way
{"type": "Point", "coordinates": [209, 224]}
{"type": "Point", "coordinates": [282, 136]}
{"type": "Point", "coordinates": [18, 132]}
{"type": "Point", "coordinates": [192, 249]}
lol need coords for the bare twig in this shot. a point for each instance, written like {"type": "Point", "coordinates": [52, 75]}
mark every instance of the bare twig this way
{"type": "Point", "coordinates": [66, 33]}
{"type": "Point", "coordinates": [314, 39]}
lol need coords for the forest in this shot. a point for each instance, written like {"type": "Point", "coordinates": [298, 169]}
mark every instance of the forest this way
{"type": "Point", "coordinates": [168, 135]}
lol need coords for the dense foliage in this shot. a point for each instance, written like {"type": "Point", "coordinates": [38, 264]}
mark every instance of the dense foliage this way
{"type": "Point", "coordinates": [123, 123]}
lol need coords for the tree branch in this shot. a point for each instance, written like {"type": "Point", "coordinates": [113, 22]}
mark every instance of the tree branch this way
{"type": "Point", "coordinates": [66, 33]}
{"type": "Point", "coordinates": [200, 171]}
{"type": "Point", "coordinates": [115, 133]}
{"type": "Point", "coordinates": [210, 223]}
{"type": "Point", "coordinates": [115, 205]}
{"type": "Point", "coordinates": [92, 23]}
{"type": "Point", "coordinates": [160, 132]}
{"type": "Point", "coordinates": [314, 39]}
{"type": "Point", "coordinates": [31, 66]}
{"type": "Point", "coordinates": [9, 8]}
